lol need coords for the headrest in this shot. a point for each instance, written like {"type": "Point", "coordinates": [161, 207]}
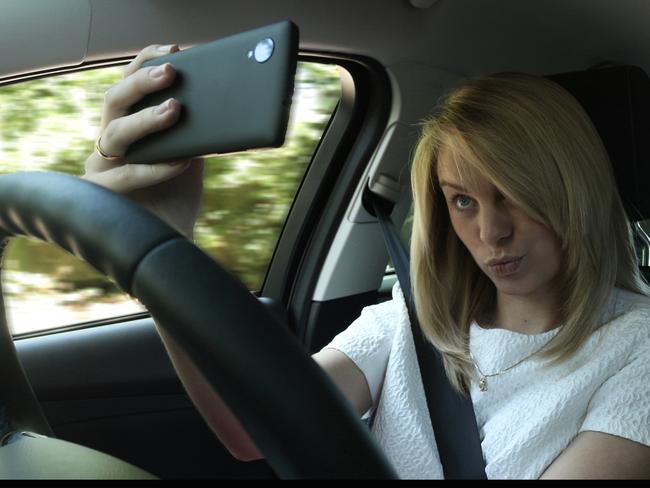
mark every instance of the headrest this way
{"type": "Point", "coordinates": [618, 101]}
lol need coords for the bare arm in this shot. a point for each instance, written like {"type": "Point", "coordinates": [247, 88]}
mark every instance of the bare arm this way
{"type": "Point", "coordinates": [210, 405]}
{"type": "Point", "coordinates": [347, 376]}
{"type": "Point", "coordinates": [225, 425]}
{"type": "Point", "coordinates": [173, 191]}
{"type": "Point", "coordinates": [595, 455]}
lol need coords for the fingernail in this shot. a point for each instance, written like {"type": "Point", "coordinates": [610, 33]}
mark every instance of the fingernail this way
{"type": "Point", "coordinates": [163, 107]}
{"type": "Point", "coordinates": [165, 49]}
{"type": "Point", "coordinates": [158, 71]}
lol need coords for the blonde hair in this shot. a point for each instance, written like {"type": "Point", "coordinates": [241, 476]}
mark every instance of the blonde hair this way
{"type": "Point", "coordinates": [536, 144]}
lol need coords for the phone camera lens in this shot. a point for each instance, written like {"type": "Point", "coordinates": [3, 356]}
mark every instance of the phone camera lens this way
{"type": "Point", "coordinates": [264, 50]}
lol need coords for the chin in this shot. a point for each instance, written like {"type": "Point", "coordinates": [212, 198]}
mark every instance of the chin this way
{"type": "Point", "coordinates": [514, 287]}
{"type": "Point", "coordinates": [521, 287]}
{"type": "Point", "coordinates": [513, 290]}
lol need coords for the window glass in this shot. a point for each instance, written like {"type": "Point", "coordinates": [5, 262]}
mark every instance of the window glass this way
{"type": "Point", "coordinates": [50, 124]}
{"type": "Point", "coordinates": [407, 226]}
{"type": "Point", "coordinates": [405, 233]}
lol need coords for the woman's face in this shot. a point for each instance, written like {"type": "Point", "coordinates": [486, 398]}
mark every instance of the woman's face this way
{"type": "Point", "coordinates": [520, 255]}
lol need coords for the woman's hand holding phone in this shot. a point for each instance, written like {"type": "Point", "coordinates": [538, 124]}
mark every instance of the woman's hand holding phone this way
{"type": "Point", "coordinates": [172, 190]}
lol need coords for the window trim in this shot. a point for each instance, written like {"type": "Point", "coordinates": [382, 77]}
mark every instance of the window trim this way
{"type": "Point", "coordinates": [46, 73]}
{"type": "Point", "coordinates": [328, 185]}
{"type": "Point", "coordinates": [120, 319]}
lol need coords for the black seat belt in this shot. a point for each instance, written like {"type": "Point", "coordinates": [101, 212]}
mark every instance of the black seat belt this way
{"type": "Point", "coordinates": [452, 414]}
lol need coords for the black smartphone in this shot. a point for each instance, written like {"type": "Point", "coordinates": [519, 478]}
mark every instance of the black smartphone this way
{"type": "Point", "coordinates": [235, 94]}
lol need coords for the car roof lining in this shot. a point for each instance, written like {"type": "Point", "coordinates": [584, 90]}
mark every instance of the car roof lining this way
{"type": "Point", "coordinates": [462, 36]}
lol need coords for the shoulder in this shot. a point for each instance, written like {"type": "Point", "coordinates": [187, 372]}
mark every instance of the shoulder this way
{"type": "Point", "coordinates": [627, 317]}
{"type": "Point", "coordinates": [390, 313]}
{"type": "Point", "coordinates": [628, 301]}
{"type": "Point", "coordinates": [376, 326]}
{"type": "Point", "coordinates": [369, 340]}
{"type": "Point", "coordinates": [621, 365]}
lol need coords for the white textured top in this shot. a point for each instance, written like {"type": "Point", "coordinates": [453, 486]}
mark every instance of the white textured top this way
{"type": "Point", "coordinates": [528, 415]}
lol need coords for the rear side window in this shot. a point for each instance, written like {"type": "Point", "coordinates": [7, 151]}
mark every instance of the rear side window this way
{"type": "Point", "coordinates": [51, 124]}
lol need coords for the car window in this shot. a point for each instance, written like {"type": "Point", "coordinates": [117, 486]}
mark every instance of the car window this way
{"type": "Point", "coordinates": [50, 124]}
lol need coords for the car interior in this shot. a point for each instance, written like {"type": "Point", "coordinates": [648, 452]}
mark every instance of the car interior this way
{"type": "Point", "coordinates": [108, 384]}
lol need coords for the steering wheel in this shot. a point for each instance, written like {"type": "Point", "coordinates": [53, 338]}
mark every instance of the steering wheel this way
{"type": "Point", "coordinates": [294, 413]}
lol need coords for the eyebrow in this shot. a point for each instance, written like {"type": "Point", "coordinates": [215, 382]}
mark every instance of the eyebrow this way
{"type": "Point", "coordinates": [453, 185]}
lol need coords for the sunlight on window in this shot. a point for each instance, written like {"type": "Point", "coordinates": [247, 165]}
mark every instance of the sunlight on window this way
{"type": "Point", "coordinates": [37, 302]}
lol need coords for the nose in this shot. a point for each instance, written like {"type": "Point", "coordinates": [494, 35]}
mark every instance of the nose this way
{"type": "Point", "coordinates": [495, 224]}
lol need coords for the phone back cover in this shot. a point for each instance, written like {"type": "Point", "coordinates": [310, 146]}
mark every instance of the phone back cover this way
{"type": "Point", "coordinates": [231, 102]}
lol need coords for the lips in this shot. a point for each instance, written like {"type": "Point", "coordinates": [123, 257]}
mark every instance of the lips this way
{"type": "Point", "coordinates": [505, 266]}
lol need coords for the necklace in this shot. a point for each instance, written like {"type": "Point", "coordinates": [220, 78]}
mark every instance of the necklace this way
{"type": "Point", "coordinates": [482, 382]}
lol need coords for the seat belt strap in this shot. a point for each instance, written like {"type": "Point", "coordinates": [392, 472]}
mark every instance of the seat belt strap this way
{"type": "Point", "coordinates": [452, 414]}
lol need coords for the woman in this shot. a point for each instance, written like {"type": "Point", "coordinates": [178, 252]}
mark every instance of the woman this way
{"type": "Point", "coordinates": [524, 276]}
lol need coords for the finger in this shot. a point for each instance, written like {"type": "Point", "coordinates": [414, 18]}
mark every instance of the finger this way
{"type": "Point", "coordinates": [150, 52]}
{"type": "Point", "coordinates": [96, 164]}
{"type": "Point", "coordinates": [119, 98]}
{"type": "Point", "coordinates": [123, 132]}
{"type": "Point", "coordinates": [130, 177]}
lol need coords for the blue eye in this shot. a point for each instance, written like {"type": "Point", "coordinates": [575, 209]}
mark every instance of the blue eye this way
{"type": "Point", "coordinates": [462, 202]}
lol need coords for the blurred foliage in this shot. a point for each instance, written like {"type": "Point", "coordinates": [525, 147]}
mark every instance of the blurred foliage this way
{"type": "Point", "coordinates": [50, 124]}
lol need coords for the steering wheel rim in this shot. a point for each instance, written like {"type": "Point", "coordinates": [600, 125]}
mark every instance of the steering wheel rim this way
{"type": "Point", "coordinates": [306, 428]}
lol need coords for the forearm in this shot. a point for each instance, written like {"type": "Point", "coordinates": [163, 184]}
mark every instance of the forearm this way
{"type": "Point", "coordinates": [210, 405]}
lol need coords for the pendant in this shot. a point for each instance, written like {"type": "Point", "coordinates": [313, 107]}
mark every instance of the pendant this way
{"type": "Point", "coordinates": [482, 383]}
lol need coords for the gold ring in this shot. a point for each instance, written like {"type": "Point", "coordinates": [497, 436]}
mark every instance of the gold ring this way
{"type": "Point", "coordinates": [98, 149]}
